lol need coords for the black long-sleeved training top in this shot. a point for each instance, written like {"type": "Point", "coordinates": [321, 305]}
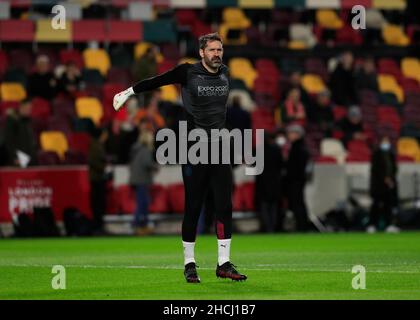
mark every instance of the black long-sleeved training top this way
{"type": "Point", "coordinates": [204, 93]}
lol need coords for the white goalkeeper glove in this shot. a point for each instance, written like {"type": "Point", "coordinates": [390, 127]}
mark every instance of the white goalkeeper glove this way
{"type": "Point", "coordinates": [121, 98]}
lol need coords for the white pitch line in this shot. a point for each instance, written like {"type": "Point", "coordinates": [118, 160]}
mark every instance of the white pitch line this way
{"type": "Point", "coordinates": [173, 267]}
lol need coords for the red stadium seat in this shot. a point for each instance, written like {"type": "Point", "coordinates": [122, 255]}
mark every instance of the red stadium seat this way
{"type": "Point", "coordinates": [79, 141]}
{"type": "Point", "coordinates": [4, 105]}
{"type": "Point", "coordinates": [108, 92]}
{"type": "Point", "coordinates": [325, 159]}
{"type": "Point", "coordinates": [48, 158]}
{"type": "Point", "coordinates": [176, 194]}
{"type": "Point", "coordinates": [243, 197]}
{"type": "Point", "coordinates": [125, 31]}
{"type": "Point", "coordinates": [72, 55]}
{"type": "Point", "coordinates": [17, 30]}
{"type": "Point", "coordinates": [339, 112]}
{"type": "Point", "coordinates": [72, 157]}
{"type": "Point", "coordinates": [159, 202]}
{"type": "Point", "coordinates": [166, 65]}
{"type": "Point", "coordinates": [4, 61]}
{"type": "Point", "coordinates": [40, 108]}
{"type": "Point", "coordinates": [89, 30]}
{"type": "Point", "coordinates": [119, 75]}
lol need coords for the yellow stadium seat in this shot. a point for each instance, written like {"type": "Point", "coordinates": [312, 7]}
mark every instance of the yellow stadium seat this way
{"type": "Point", "coordinates": [395, 36]}
{"type": "Point", "coordinates": [409, 147]}
{"type": "Point", "coordinates": [54, 141]}
{"type": "Point", "coordinates": [389, 4]}
{"type": "Point", "coordinates": [329, 19]}
{"type": "Point", "coordinates": [411, 68]}
{"type": "Point", "coordinates": [313, 83]}
{"type": "Point", "coordinates": [45, 32]}
{"type": "Point", "coordinates": [241, 68]}
{"type": "Point", "coordinates": [169, 93]}
{"type": "Point", "coordinates": [89, 107]}
{"type": "Point", "coordinates": [140, 49]}
{"type": "Point", "coordinates": [97, 59]}
{"type": "Point", "coordinates": [297, 45]}
{"type": "Point", "coordinates": [256, 4]}
{"type": "Point", "coordinates": [388, 83]}
{"type": "Point", "coordinates": [223, 31]}
{"type": "Point", "coordinates": [235, 18]}
{"type": "Point", "coordinates": [12, 91]}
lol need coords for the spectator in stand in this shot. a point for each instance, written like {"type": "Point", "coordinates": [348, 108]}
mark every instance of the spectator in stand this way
{"type": "Point", "coordinates": [151, 113]}
{"type": "Point", "coordinates": [142, 168]}
{"type": "Point", "coordinates": [352, 126]}
{"type": "Point", "coordinates": [342, 81]}
{"type": "Point", "coordinates": [236, 117]}
{"type": "Point", "coordinates": [268, 186]}
{"type": "Point", "coordinates": [295, 81]}
{"type": "Point", "coordinates": [41, 82]}
{"type": "Point", "coordinates": [366, 77]}
{"type": "Point", "coordinates": [146, 67]}
{"type": "Point", "coordinates": [70, 80]}
{"type": "Point", "coordinates": [323, 113]}
{"type": "Point", "coordinates": [383, 187]}
{"type": "Point", "coordinates": [293, 110]}
{"type": "Point", "coordinates": [18, 134]}
{"type": "Point", "coordinates": [296, 169]}
{"type": "Point", "coordinates": [97, 178]}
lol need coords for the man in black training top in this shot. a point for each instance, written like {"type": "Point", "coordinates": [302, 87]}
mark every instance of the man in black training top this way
{"type": "Point", "coordinates": [204, 89]}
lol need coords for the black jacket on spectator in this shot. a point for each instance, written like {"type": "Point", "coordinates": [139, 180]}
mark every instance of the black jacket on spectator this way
{"type": "Point", "coordinates": [342, 84]}
{"type": "Point", "coordinates": [236, 117]}
{"type": "Point", "coordinates": [349, 129]}
{"type": "Point", "coordinates": [297, 162]}
{"type": "Point", "coordinates": [269, 183]}
{"type": "Point", "coordinates": [366, 81]}
{"type": "Point", "coordinates": [42, 85]}
{"type": "Point", "coordinates": [383, 164]}
{"type": "Point", "coordinates": [18, 135]}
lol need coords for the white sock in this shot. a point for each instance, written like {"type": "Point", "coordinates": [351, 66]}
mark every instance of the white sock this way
{"type": "Point", "coordinates": [188, 252]}
{"type": "Point", "coordinates": [223, 246]}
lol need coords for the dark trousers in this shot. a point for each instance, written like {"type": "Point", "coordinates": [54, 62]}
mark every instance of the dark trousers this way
{"type": "Point", "coordinates": [142, 206]}
{"type": "Point", "coordinates": [98, 203]}
{"type": "Point", "coordinates": [269, 215]}
{"type": "Point", "coordinates": [382, 206]}
{"type": "Point", "coordinates": [200, 179]}
{"type": "Point", "coordinates": [296, 201]}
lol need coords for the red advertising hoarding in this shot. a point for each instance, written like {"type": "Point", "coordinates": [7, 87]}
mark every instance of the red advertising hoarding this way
{"type": "Point", "coordinates": [57, 187]}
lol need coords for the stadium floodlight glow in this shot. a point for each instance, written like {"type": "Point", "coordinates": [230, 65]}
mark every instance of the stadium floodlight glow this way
{"type": "Point", "coordinates": [218, 139]}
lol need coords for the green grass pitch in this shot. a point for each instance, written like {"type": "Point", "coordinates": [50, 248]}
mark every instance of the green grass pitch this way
{"type": "Point", "coordinates": [280, 266]}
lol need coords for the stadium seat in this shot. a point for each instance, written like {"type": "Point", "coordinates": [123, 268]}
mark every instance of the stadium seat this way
{"type": "Point", "coordinates": [47, 158]}
{"type": "Point", "coordinates": [241, 68]}
{"type": "Point", "coordinates": [72, 157]}
{"type": "Point", "coordinates": [387, 83]}
{"type": "Point", "coordinates": [232, 35]}
{"type": "Point", "coordinates": [313, 83]}
{"type": "Point", "coordinates": [89, 30]}
{"type": "Point", "coordinates": [4, 61]}
{"type": "Point", "coordinates": [160, 31]}
{"type": "Point", "coordinates": [92, 76]}
{"type": "Point", "coordinates": [140, 11]}
{"type": "Point", "coordinates": [325, 159]}
{"type": "Point", "coordinates": [301, 36]}
{"type": "Point", "coordinates": [328, 19]}
{"type": "Point", "coordinates": [333, 148]}
{"type": "Point", "coordinates": [12, 91]}
{"type": "Point", "coordinates": [169, 93]}
{"type": "Point", "coordinates": [125, 31]}
{"type": "Point", "coordinates": [97, 59]}
{"type": "Point", "coordinates": [45, 32]}
{"type": "Point", "coordinates": [394, 35]}
{"type": "Point", "coordinates": [235, 18]}
{"type": "Point", "coordinates": [79, 141]}
{"type": "Point", "coordinates": [4, 10]}
{"type": "Point", "coordinates": [40, 108]}
{"type": "Point", "coordinates": [71, 55]}
{"type": "Point", "coordinates": [389, 4]}
{"type": "Point", "coordinates": [54, 141]}
{"type": "Point", "coordinates": [409, 147]}
{"type": "Point", "coordinates": [17, 30]}
{"type": "Point", "coordinates": [410, 68]}
{"type": "Point", "coordinates": [88, 107]}
{"type": "Point", "coordinates": [119, 75]}
{"type": "Point", "coordinates": [21, 59]}
{"type": "Point", "coordinates": [73, 10]}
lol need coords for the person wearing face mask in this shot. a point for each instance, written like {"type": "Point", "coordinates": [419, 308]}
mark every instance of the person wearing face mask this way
{"type": "Point", "coordinates": [383, 187]}
{"type": "Point", "coordinates": [18, 134]}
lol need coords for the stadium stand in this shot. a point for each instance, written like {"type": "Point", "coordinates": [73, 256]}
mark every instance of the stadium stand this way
{"type": "Point", "coordinates": [265, 43]}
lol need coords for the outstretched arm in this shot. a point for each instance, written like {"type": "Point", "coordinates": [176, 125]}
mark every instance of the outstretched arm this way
{"type": "Point", "coordinates": [177, 75]}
